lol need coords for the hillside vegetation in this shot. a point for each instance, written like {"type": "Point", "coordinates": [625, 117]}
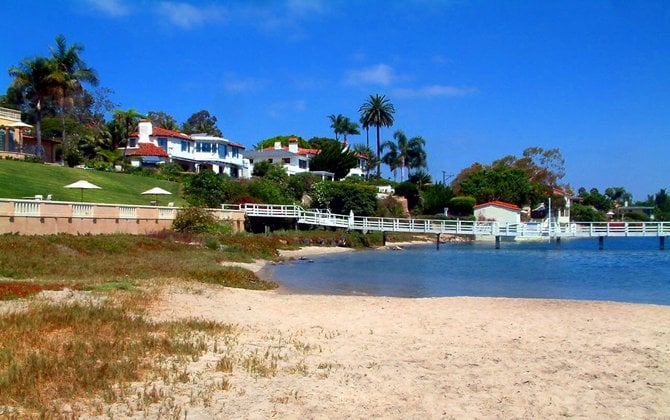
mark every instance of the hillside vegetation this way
{"type": "Point", "coordinates": [22, 179]}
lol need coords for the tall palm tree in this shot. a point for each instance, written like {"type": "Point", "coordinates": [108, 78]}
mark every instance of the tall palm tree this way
{"type": "Point", "coordinates": [416, 154]}
{"type": "Point", "coordinates": [69, 74]}
{"type": "Point", "coordinates": [128, 120]}
{"type": "Point", "coordinates": [337, 124]}
{"type": "Point", "coordinates": [366, 126]}
{"type": "Point", "coordinates": [377, 111]}
{"type": "Point", "coordinates": [34, 78]}
{"type": "Point", "coordinates": [391, 158]}
{"type": "Point", "coordinates": [349, 128]}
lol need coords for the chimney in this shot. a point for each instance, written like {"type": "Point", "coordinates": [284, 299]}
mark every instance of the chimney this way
{"type": "Point", "coordinates": [293, 145]}
{"type": "Point", "coordinates": [145, 129]}
{"type": "Point", "coordinates": [277, 145]}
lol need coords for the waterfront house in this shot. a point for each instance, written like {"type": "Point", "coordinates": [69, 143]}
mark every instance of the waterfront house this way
{"type": "Point", "coordinates": [295, 159]}
{"type": "Point", "coordinates": [150, 146]}
{"type": "Point", "coordinates": [292, 158]}
{"type": "Point", "coordinates": [498, 211]}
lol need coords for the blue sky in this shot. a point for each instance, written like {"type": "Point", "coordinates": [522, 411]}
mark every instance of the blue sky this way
{"type": "Point", "coordinates": [477, 79]}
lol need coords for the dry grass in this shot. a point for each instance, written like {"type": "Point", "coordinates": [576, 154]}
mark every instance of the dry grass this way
{"type": "Point", "coordinates": [60, 352]}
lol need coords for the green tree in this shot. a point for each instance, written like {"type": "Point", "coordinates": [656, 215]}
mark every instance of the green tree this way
{"type": "Point", "coordinates": [461, 206]}
{"type": "Point", "coordinates": [202, 122]}
{"type": "Point", "coordinates": [436, 198]}
{"type": "Point", "coordinates": [391, 157]}
{"type": "Point", "coordinates": [206, 189]}
{"type": "Point", "coordinates": [502, 183]}
{"type": "Point", "coordinates": [377, 112]}
{"type": "Point", "coordinates": [337, 124]}
{"type": "Point", "coordinates": [368, 155]}
{"type": "Point", "coordinates": [619, 195]}
{"type": "Point", "coordinates": [334, 157]}
{"type": "Point", "coordinates": [163, 120]}
{"type": "Point", "coordinates": [343, 197]}
{"type": "Point", "coordinates": [349, 128]}
{"type": "Point", "coordinates": [586, 213]}
{"type": "Point", "coordinates": [70, 72]}
{"type": "Point", "coordinates": [34, 78]}
{"type": "Point", "coordinates": [406, 153]}
{"type": "Point", "coordinates": [128, 121]}
{"type": "Point", "coordinates": [594, 198]}
{"type": "Point", "coordinates": [410, 191]}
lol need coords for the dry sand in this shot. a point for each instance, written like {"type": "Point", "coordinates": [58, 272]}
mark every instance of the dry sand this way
{"type": "Point", "coordinates": [360, 357]}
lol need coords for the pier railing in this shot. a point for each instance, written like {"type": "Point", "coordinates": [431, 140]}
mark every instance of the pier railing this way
{"type": "Point", "coordinates": [455, 227]}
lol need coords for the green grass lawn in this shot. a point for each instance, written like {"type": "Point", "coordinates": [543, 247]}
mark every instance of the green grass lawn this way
{"type": "Point", "coordinates": [22, 179]}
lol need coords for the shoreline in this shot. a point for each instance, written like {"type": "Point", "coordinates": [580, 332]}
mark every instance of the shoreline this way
{"type": "Point", "coordinates": [370, 356]}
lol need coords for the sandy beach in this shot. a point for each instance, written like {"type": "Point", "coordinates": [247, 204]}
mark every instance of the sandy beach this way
{"type": "Point", "coordinates": [359, 357]}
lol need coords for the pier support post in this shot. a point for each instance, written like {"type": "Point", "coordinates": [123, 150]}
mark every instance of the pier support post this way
{"type": "Point", "coordinates": [497, 242]}
{"type": "Point", "coordinates": [437, 241]}
{"type": "Point", "coordinates": [384, 238]}
{"type": "Point", "coordinates": [661, 243]}
{"type": "Point", "coordinates": [558, 242]}
{"type": "Point", "coordinates": [601, 243]}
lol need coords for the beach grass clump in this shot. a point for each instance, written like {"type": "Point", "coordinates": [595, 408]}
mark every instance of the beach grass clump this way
{"type": "Point", "coordinates": [122, 259]}
{"type": "Point", "coordinates": [59, 352]}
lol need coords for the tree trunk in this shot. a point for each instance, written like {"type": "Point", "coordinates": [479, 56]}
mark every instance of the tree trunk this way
{"type": "Point", "coordinates": [379, 167]}
{"type": "Point", "coordinates": [39, 150]}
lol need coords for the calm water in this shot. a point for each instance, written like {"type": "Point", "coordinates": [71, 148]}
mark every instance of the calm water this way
{"type": "Point", "coordinates": [628, 270]}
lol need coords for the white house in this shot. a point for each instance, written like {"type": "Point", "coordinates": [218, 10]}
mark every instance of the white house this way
{"type": "Point", "coordinates": [294, 159]}
{"type": "Point", "coordinates": [153, 145]}
{"type": "Point", "coordinates": [498, 211]}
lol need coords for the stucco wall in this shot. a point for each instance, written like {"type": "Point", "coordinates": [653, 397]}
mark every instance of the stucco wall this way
{"type": "Point", "coordinates": [499, 214]}
{"type": "Point", "coordinates": [30, 217]}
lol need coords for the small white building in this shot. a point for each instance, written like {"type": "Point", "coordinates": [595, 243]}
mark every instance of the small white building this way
{"type": "Point", "coordinates": [498, 211]}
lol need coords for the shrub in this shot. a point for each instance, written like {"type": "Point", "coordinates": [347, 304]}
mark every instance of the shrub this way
{"type": "Point", "coordinates": [198, 220]}
{"type": "Point", "coordinates": [343, 197]}
{"type": "Point", "coordinates": [585, 213]}
{"type": "Point", "coordinates": [205, 189]}
{"type": "Point", "coordinates": [461, 206]}
{"type": "Point", "coordinates": [436, 198]}
{"type": "Point", "coordinates": [390, 207]}
{"type": "Point", "coordinates": [267, 191]}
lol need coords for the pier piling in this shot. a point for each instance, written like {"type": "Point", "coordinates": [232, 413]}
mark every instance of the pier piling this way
{"type": "Point", "coordinates": [437, 241]}
{"type": "Point", "coordinates": [601, 243]}
{"type": "Point", "coordinates": [661, 243]}
{"type": "Point", "coordinates": [498, 242]}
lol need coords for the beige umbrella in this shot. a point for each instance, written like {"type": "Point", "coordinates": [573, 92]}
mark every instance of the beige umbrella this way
{"type": "Point", "coordinates": [83, 185]}
{"type": "Point", "coordinates": [156, 191]}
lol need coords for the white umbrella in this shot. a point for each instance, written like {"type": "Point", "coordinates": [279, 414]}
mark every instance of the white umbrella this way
{"type": "Point", "coordinates": [83, 185]}
{"type": "Point", "coordinates": [156, 191]}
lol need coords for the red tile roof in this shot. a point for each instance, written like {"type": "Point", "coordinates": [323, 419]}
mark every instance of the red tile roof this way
{"type": "Point", "coordinates": [236, 145]}
{"type": "Point", "coordinates": [499, 204]}
{"type": "Point", "coordinates": [146, 149]}
{"type": "Point", "coordinates": [301, 150]}
{"type": "Point", "coordinates": [163, 132]}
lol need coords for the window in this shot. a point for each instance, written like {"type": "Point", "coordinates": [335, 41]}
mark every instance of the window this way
{"type": "Point", "coordinates": [302, 163]}
{"type": "Point", "coordinates": [206, 147]}
{"type": "Point", "coordinates": [2, 139]}
{"type": "Point", "coordinates": [197, 146]}
{"type": "Point", "coordinates": [270, 160]}
{"type": "Point", "coordinates": [214, 147]}
{"type": "Point", "coordinates": [286, 160]}
{"type": "Point", "coordinates": [162, 143]}
{"type": "Point", "coordinates": [132, 142]}
{"type": "Point", "coordinates": [223, 151]}
{"type": "Point", "coordinates": [185, 146]}
{"type": "Point", "coordinates": [235, 151]}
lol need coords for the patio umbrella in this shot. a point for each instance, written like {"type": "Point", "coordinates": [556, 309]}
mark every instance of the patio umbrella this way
{"type": "Point", "coordinates": [83, 185]}
{"type": "Point", "coordinates": [156, 191]}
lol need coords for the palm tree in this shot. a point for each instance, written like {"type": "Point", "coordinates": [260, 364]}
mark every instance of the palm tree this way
{"type": "Point", "coordinates": [349, 128]}
{"type": "Point", "coordinates": [337, 124]}
{"type": "Point", "coordinates": [69, 73]}
{"type": "Point", "coordinates": [391, 158]}
{"type": "Point", "coordinates": [129, 120]}
{"type": "Point", "coordinates": [366, 126]}
{"type": "Point", "coordinates": [416, 154]}
{"type": "Point", "coordinates": [377, 111]}
{"type": "Point", "coordinates": [34, 77]}
{"type": "Point", "coordinates": [369, 155]}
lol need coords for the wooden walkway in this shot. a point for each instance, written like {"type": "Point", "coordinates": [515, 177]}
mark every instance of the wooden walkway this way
{"type": "Point", "coordinates": [457, 227]}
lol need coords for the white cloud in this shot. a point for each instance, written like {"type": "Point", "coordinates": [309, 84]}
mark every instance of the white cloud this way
{"type": "Point", "coordinates": [247, 84]}
{"type": "Point", "coordinates": [186, 16]}
{"type": "Point", "coordinates": [280, 109]}
{"type": "Point", "coordinates": [381, 74]}
{"type": "Point", "coordinates": [434, 90]}
{"type": "Point", "coordinates": [113, 8]}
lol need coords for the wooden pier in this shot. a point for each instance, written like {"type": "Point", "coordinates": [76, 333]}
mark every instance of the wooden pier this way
{"type": "Point", "coordinates": [494, 230]}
